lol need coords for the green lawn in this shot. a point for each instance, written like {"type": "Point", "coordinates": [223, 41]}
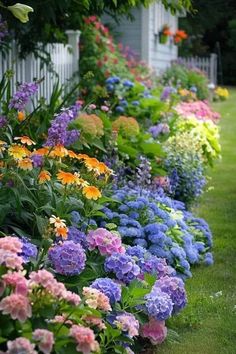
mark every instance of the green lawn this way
{"type": "Point", "coordinates": [208, 324]}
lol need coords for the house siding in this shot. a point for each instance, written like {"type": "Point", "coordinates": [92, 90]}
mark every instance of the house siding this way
{"type": "Point", "coordinates": [128, 32]}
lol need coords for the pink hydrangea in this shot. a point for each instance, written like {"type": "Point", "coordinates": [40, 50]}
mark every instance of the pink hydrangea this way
{"type": "Point", "coordinates": [104, 108]}
{"type": "Point", "coordinates": [106, 241]}
{"type": "Point", "coordinates": [17, 281]}
{"type": "Point", "coordinates": [45, 340]}
{"type": "Point", "coordinates": [127, 323]}
{"type": "Point", "coordinates": [200, 109]}
{"type": "Point", "coordinates": [11, 244]}
{"type": "Point", "coordinates": [85, 339]}
{"type": "Point", "coordinates": [20, 345]}
{"type": "Point", "coordinates": [61, 319]}
{"type": "Point", "coordinates": [96, 299]}
{"type": "Point", "coordinates": [154, 330]}
{"type": "Point", "coordinates": [10, 259]}
{"type": "Point", "coordinates": [17, 306]}
{"type": "Point", "coordinates": [72, 298]}
{"type": "Point", "coordinates": [94, 321]}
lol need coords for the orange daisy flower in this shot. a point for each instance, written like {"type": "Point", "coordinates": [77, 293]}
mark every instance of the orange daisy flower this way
{"type": "Point", "coordinates": [61, 232]}
{"type": "Point", "coordinates": [21, 116]}
{"type": "Point", "coordinates": [41, 151]}
{"type": "Point", "coordinates": [91, 163]}
{"type": "Point", "coordinates": [72, 154]}
{"type": "Point", "coordinates": [44, 176]}
{"type": "Point", "coordinates": [66, 177]}
{"type": "Point", "coordinates": [25, 140]}
{"type": "Point", "coordinates": [59, 151]}
{"type": "Point", "coordinates": [91, 192]}
{"type": "Point", "coordinates": [82, 156]}
{"type": "Point", "coordinates": [25, 164]}
{"type": "Point", "coordinates": [18, 151]}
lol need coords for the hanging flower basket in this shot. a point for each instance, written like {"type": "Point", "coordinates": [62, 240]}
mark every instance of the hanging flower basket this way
{"type": "Point", "coordinates": [164, 34]}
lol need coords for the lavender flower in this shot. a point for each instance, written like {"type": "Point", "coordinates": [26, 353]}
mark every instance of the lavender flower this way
{"type": "Point", "coordinates": [143, 172]}
{"type": "Point", "coordinates": [22, 95]}
{"type": "Point", "coordinates": [57, 133]}
{"type": "Point", "coordinates": [158, 305]}
{"type": "Point", "coordinates": [37, 160]}
{"type": "Point", "coordinates": [161, 128]}
{"type": "Point", "coordinates": [123, 266]}
{"type": "Point", "coordinates": [3, 120]}
{"type": "Point", "coordinates": [68, 258]}
{"type": "Point", "coordinates": [166, 93]}
{"type": "Point", "coordinates": [108, 287]}
{"type": "Point", "coordinates": [174, 287]}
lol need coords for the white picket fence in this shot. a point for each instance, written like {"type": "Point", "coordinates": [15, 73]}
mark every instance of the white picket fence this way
{"type": "Point", "coordinates": [65, 63]}
{"type": "Point", "coordinates": [207, 64]}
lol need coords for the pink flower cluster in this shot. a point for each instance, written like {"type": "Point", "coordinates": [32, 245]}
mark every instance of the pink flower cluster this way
{"type": "Point", "coordinates": [9, 249]}
{"type": "Point", "coordinates": [127, 323]}
{"type": "Point", "coordinates": [46, 280]}
{"type": "Point", "coordinates": [94, 321]}
{"type": "Point", "coordinates": [17, 306]}
{"type": "Point", "coordinates": [45, 340]}
{"type": "Point", "coordinates": [20, 345]}
{"type": "Point", "coordinates": [154, 330]}
{"type": "Point", "coordinates": [84, 338]}
{"type": "Point", "coordinates": [200, 109]}
{"type": "Point", "coordinates": [106, 241]}
{"type": "Point", "coordinates": [96, 299]}
{"type": "Point", "coordinates": [17, 281]}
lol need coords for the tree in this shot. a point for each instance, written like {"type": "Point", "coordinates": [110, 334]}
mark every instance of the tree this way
{"type": "Point", "coordinates": [52, 17]}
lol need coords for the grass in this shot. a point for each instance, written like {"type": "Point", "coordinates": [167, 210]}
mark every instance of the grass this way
{"type": "Point", "coordinates": [208, 324]}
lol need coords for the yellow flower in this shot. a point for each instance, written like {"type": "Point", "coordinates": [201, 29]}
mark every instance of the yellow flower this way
{"type": "Point", "coordinates": [59, 151]}
{"type": "Point", "coordinates": [57, 222]}
{"type": "Point", "coordinates": [41, 151]}
{"type": "Point", "coordinates": [25, 140]}
{"type": "Point", "coordinates": [82, 156]}
{"type": "Point", "coordinates": [91, 163]}
{"type": "Point", "coordinates": [66, 177]}
{"type": "Point", "coordinates": [21, 116]}
{"type": "Point", "coordinates": [91, 192]}
{"type": "Point", "coordinates": [18, 151]}
{"type": "Point", "coordinates": [61, 232]}
{"type": "Point", "coordinates": [72, 154]}
{"type": "Point", "coordinates": [21, 11]}
{"type": "Point", "coordinates": [44, 176]}
{"type": "Point", "coordinates": [25, 164]}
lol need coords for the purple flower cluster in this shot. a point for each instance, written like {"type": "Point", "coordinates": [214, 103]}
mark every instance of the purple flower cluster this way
{"type": "Point", "coordinates": [29, 250]}
{"type": "Point", "coordinates": [167, 91]}
{"type": "Point", "coordinates": [22, 95]}
{"type": "Point", "coordinates": [67, 258]}
{"type": "Point", "coordinates": [158, 305]}
{"type": "Point", "coordinates": [108, 287]}
{"type": "Point", "coordinates": [58, 133]}
{"type": "Point", "coordinates": [3, 121]}
{"type": "Point", "coordinates": [174, 287]}
{"type": "Point", "coordinates": [77, 236]}
{"type": "Point", "coordinates": [161, 128]}
{"type": "Point", "coordinates": [127, 323]}
{"type": "Point", "coordinates": [123, 266]}
{"type": "Point", "coordinates": [37, 160]}
{"type": "Point", "coordinates": [106, 242]}
{"type": "Point", "coordinates": [143, 172]}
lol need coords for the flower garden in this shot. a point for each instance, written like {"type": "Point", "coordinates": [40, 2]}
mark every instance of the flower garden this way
{"type": "Point", "coordinates": [98, 233]}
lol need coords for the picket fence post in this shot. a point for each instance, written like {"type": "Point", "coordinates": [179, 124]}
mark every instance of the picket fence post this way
{"type": "Point", "coordinates": [73, 41]}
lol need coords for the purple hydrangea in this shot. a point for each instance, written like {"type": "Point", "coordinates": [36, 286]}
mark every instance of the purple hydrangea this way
{"type": "Point", "coordinates": [3, 121]}
{"type": "Point", "coordinates": [167, 91]}
{"type": "Point", "coordinates": [108, 287]}
{"type": "Point", "coordinates": [123, 266]}
{"type": "Point", "coordinates": [22, 95]}
{"type": "Point", "coordinates": [29, 250]}
{"type": "Point", "coordinates": [174, 287]}
{"type": "Point", "coordinates": [158, 305]}
{"type": "Point", "coordinates": [67, 258]}
{"type": "Point", "coordinates": [58, 133]}
{"type": "Point", "coordinates": [77, 236]}
{"type": "Point", "coordinates": [161, 128]}
{"type": "Point", "coordinates": [37, 160]}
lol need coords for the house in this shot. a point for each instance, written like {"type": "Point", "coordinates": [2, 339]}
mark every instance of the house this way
{"type": "Point", "coordinates": [143, 35]}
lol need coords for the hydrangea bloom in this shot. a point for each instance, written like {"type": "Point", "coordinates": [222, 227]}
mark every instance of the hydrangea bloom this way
{"type": "Point", "coordinates": [106, 241]}
{"type": "Point", "coordinates": [123, 266]}
{"type": "Point", "coordinates": [154, 330]}
{"type": "Point", "coordinates": [22, 95]}
{"type": "Point", "coordinates": [20, 345]}
{"type": "Point", "coordinates": [77, 236]}
{"type": "Point", "coordinates": [127, 323]}
{"type": "Point", "coordinates": [158, 305]}
{"type": "Point", "coordinates": [174, 287]}
{"type": "Point", "coordinates": [17, 306]}
{"type": "Point", "coordinates": [45, 340]}
{"type": "Point", "coordinates": [108, 287]}
{"type": "Point", "coordinates": [17, 281]}
{"type": "Point", "coordinates": [29, 250]}
{"type": "Point", "coordinates": [96, 299]}
{"type": "Point", "coordinates": [84, 338]}
{"type": "Point", "coordinates": [67, 258]}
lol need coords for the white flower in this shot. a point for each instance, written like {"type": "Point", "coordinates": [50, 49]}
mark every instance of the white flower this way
{"type": "Point", "coordinates": [58, 222]}
{"type": "Point", "coordinates": [21, 11]}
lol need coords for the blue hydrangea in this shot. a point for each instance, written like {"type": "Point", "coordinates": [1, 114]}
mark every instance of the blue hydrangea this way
{"type": "Point", "coordinates": [158, 305]}
{"type": "Point", "coordinates": [67, 258]}
{"type": "Point", "coordinates": [108, 287]}
{"type": "Point", "coordinates": [123, 266]}
{"type": "Point", "coordinates": [208, 260]}
{"type": "Point", "coordinates": [29, 250]}
{"type": "Point", "coordinates": [77, 236]}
